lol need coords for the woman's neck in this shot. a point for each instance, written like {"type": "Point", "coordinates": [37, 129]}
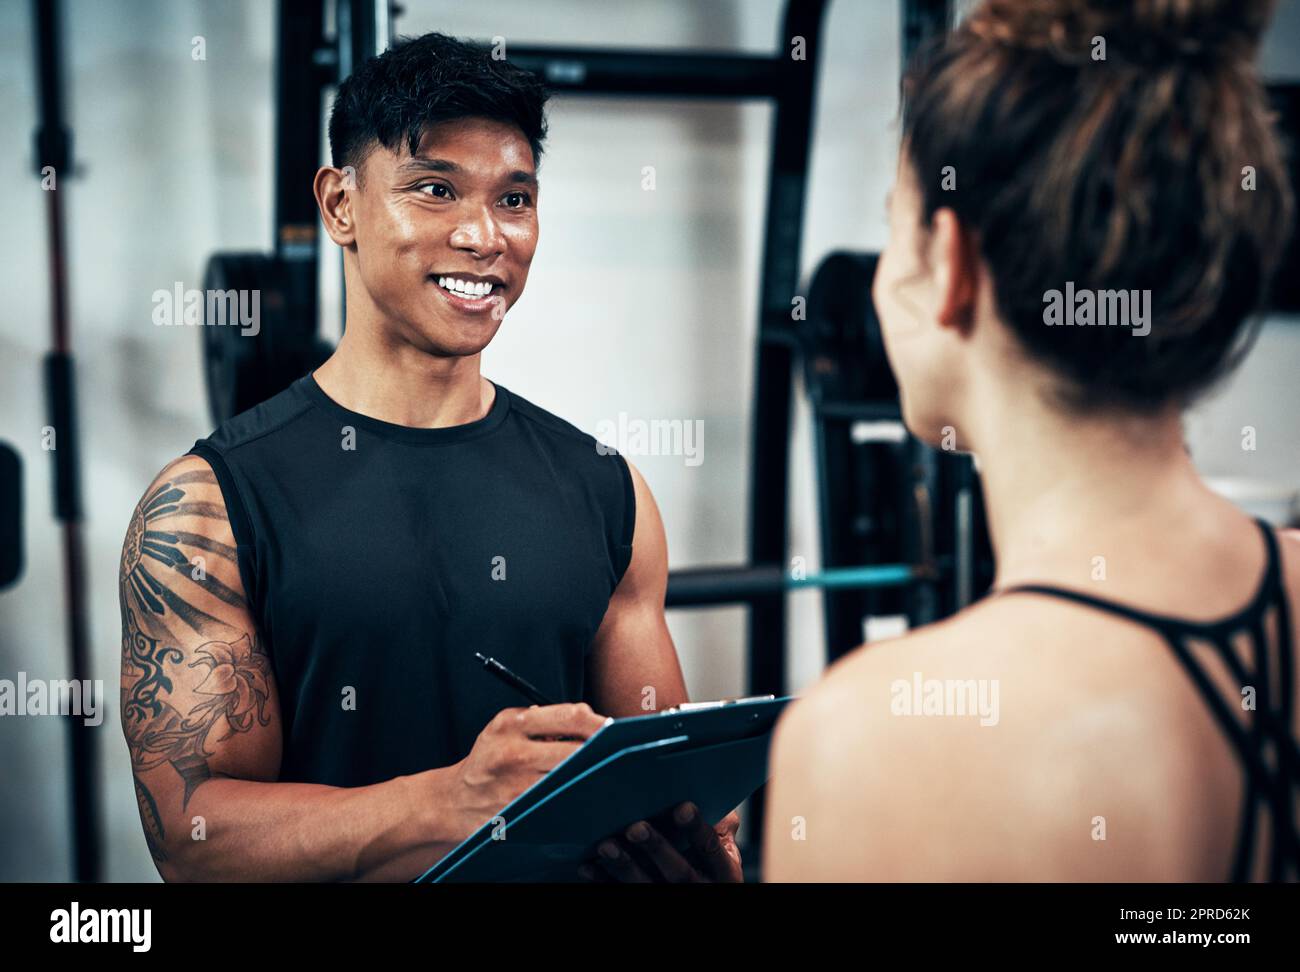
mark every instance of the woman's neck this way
{"type": "Point", "coordinates": [1063, 489]}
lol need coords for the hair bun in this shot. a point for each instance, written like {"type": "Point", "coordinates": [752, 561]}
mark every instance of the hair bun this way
{"type": "Point", "coordinates": [1145, 30]}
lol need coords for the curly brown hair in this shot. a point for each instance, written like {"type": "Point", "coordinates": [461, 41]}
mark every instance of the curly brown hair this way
{"type": "Point", "coordinates": [1119, 145]}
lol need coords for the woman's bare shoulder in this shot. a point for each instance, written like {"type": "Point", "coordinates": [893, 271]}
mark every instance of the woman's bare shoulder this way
{"type": "Point", "coordinates": [998, 745]}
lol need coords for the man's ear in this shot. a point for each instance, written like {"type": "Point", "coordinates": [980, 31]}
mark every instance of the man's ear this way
{"type": "Point", "coordinates": [955, 259]}
{"type": "Point", "coordinates": [334, 189]}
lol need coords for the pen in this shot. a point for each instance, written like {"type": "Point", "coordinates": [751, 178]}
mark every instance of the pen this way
{"type": "Point", "coordinates": [513, 680]}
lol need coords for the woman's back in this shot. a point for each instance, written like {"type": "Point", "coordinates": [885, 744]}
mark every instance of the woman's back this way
{"type": "Point", "coordinates": [1222, 612]}
{"type": "Point", "coordinates": [1099, 757]}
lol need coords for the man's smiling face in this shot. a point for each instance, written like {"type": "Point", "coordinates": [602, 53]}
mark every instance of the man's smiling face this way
{"type": "Point", "coordinates": [444, 237]}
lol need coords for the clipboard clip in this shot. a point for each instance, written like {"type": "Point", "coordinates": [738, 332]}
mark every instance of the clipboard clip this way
{"type": "Point", "coordinates": [720, 703]}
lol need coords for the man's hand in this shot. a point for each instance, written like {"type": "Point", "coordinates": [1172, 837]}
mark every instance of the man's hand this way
{"type": "Point", "coordinates": [516, 749]}
{"type": "Point", "coordinates": [645, 855]}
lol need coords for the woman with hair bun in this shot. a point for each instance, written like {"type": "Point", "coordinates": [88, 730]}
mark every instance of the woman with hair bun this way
{"type": "Point", "coordinates": [1088, 208]}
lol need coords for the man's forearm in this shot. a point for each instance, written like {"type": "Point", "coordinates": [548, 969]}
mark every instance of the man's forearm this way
{"type": "Point", "coordinates": [389, 831]}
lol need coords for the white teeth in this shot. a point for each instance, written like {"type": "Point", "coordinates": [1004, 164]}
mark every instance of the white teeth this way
{"type": "Point", "coordinates": [465, 287]}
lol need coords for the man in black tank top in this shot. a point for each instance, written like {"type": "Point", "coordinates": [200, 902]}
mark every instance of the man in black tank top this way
{"type": "Point", "coordinates": [303, 594]}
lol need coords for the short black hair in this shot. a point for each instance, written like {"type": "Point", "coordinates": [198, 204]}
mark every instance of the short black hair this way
{"type": "Point", "coordinates": [421, 81]}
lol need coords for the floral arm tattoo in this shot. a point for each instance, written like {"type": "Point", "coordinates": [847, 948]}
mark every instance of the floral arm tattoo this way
{"type": "Point", "coordinates": [188, 678]}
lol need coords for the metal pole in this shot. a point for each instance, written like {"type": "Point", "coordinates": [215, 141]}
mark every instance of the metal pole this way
{"type": "Point", "coordinates": [773, 367]}
{"type": "Point", "coordinates": [779, 283]}
{"type": "Point", "coordinates": [54, 150]}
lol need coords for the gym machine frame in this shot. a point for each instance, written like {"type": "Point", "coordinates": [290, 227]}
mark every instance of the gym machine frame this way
{"type": "Point", "coordinates": [791, 86]}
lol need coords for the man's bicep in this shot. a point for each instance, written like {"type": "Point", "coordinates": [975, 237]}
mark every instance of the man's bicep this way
{"type": "Point", "coordinates": [633, 663]}
{"type": "Point", "coordinates": [198, 694]}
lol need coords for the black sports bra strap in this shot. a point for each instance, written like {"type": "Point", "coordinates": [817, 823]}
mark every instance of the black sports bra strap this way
{"type": "Point", "coordinates": [1272, 719]}
{"type": "Point", "coordinates": [1113, 607]}
{"type": "Point", "coordinates": [1286, 844]}
{"type": "Point", "coordinates": [1285, 669]}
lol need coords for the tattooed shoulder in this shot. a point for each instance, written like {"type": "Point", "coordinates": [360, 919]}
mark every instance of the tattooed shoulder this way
{"type": "Point", "coordinates": [194, 671]}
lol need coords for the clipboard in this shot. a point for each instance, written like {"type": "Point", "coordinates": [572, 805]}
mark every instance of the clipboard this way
{"type": "Point", "coordinates": [711, 753]}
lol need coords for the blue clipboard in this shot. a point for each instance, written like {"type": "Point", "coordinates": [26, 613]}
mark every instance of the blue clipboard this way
{"type": "Point", "coordinates": [713, 754]}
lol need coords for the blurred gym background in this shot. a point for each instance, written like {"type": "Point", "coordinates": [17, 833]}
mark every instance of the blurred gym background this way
{"type": "Point", "coordinates": [759, 177]}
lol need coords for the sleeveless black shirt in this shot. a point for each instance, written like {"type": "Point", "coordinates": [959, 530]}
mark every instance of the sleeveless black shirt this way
{"type": "Point", "coordinates": [378, 558]}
